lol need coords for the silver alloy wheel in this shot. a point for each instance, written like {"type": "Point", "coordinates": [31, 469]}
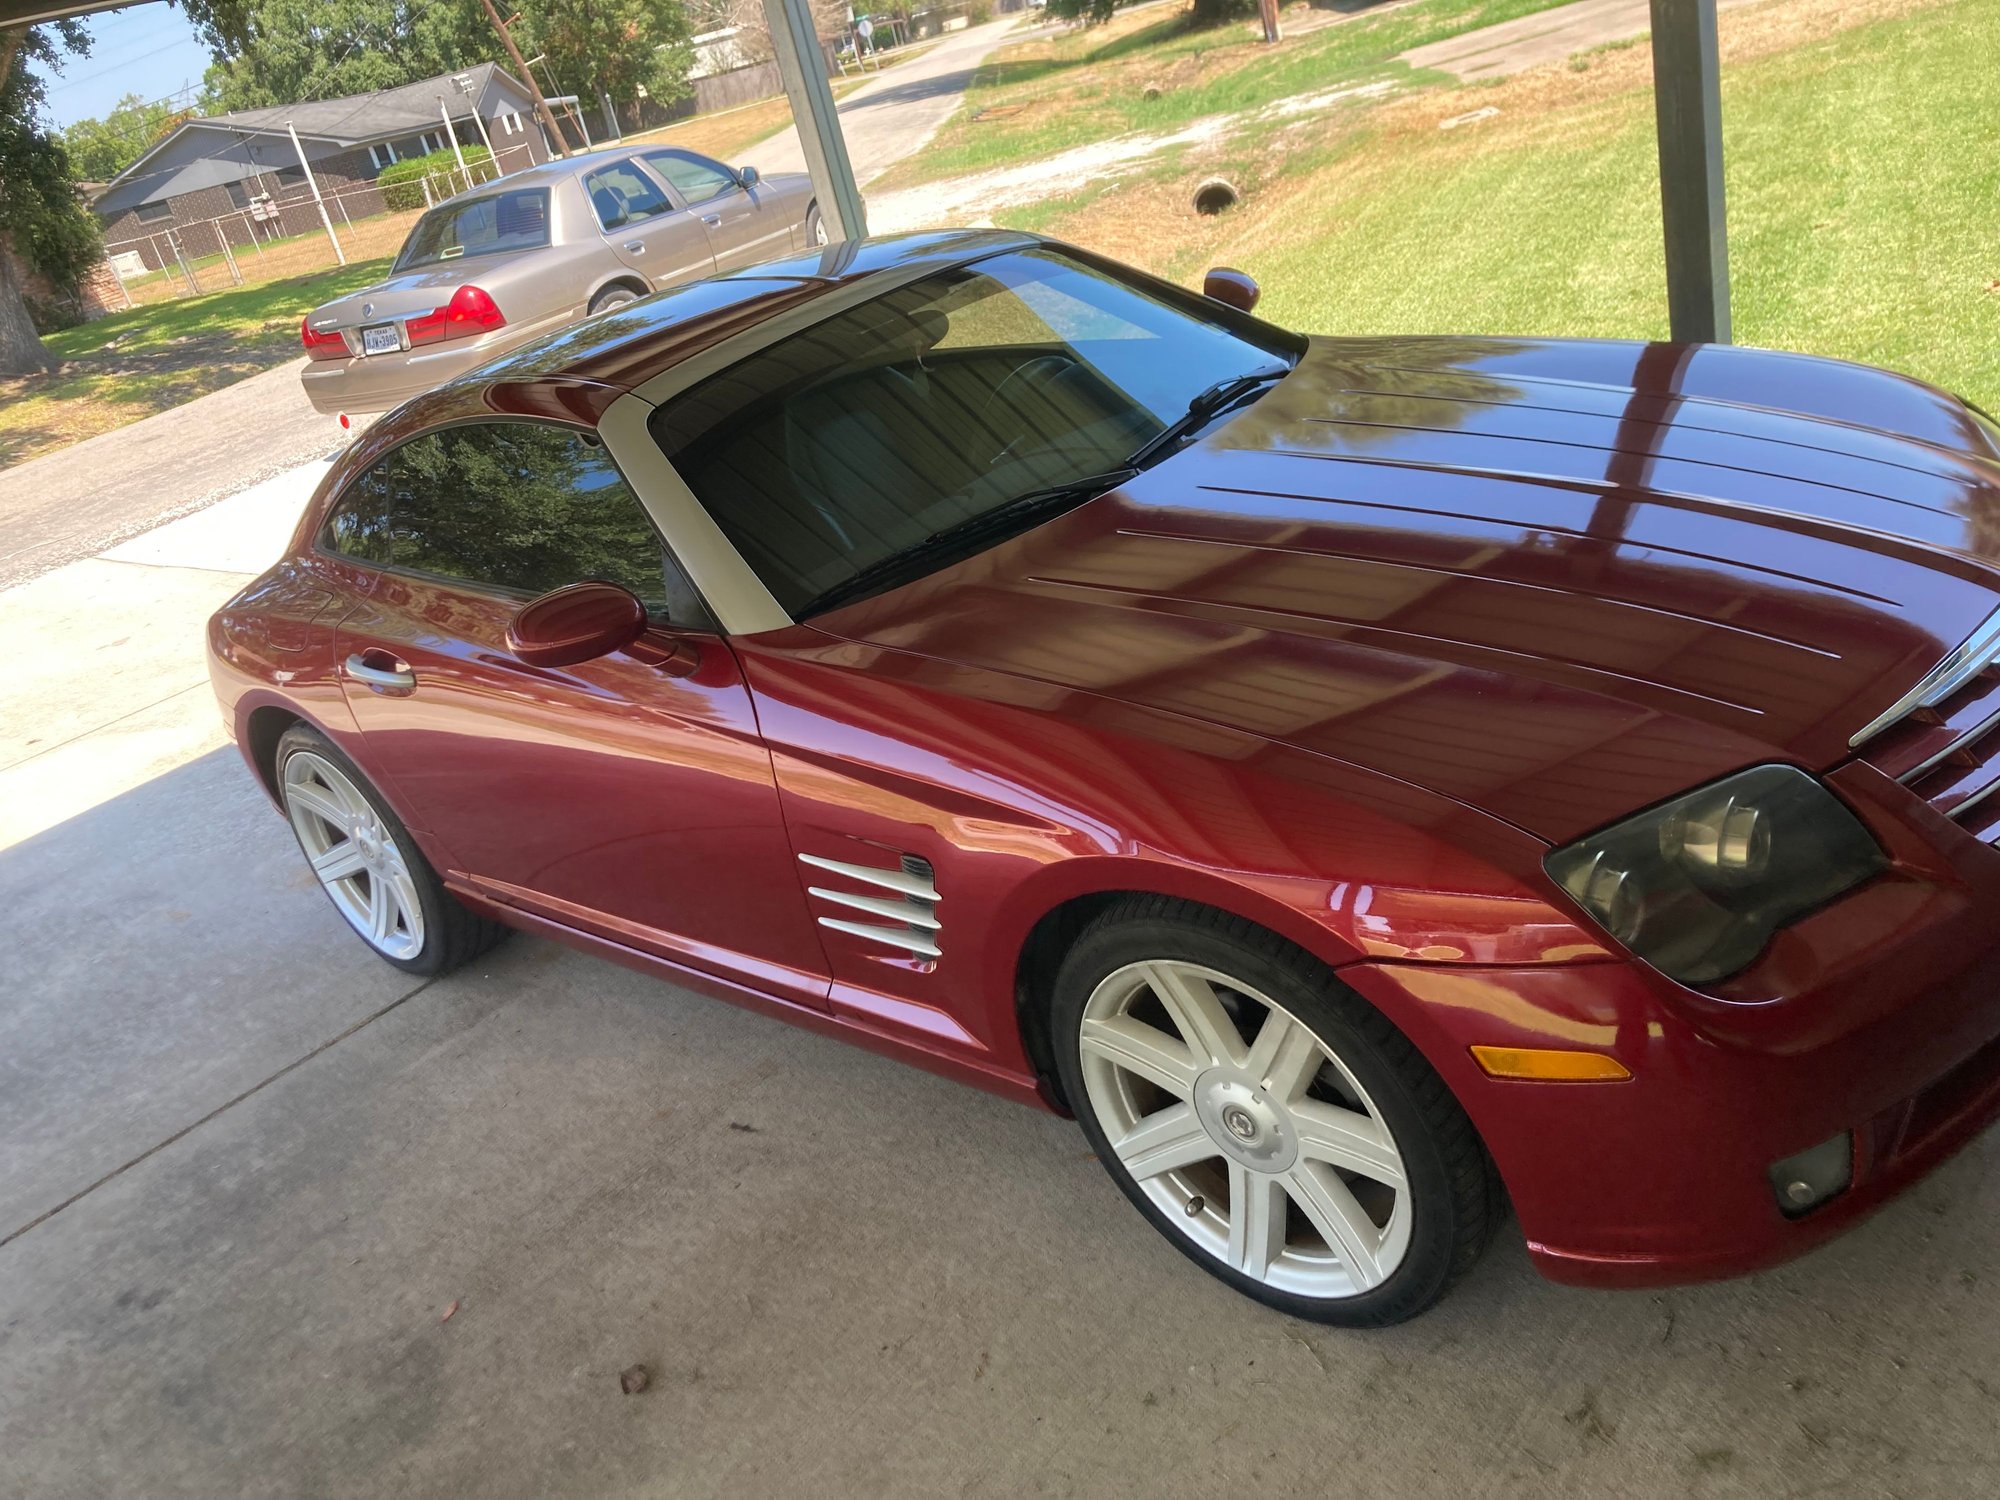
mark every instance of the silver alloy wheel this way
{"type": "Point", "coordinates": [819, 231]}
{"type": "Point", "coordinates": [1267, 1154]}
{"type": "Point", "coordinates": [354, 854]}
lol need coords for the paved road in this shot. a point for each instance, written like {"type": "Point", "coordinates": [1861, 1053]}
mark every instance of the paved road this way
{"type": "Point", "coordinates": [1548, 36]}
{"type": "Point", "coordinates": [92, 495]}
{"type": "Point", "coordinates": [894, 113]}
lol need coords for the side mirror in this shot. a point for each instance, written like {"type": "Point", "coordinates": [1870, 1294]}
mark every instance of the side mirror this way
{"type": "Point", "coordinates": [749, 176]}
{"type": "Point", "coordinates": [1231, 288]}
{"type": "Point", "coordinates": [576, 624]}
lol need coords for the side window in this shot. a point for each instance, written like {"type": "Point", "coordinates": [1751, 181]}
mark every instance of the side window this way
{"type": "Point", "coordinates": [622, 194]}
{"type": "Point", "coordinates": [517, 507]}
{"type": "Point", "coordinates": [695, 178]}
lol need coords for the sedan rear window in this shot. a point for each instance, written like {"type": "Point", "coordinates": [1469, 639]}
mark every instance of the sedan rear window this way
{"type": "Point", "coordinates": [514, 220]}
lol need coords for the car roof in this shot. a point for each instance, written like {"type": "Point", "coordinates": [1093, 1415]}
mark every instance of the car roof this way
{"type": "Point", "coordinates": [626, 348]}
{"type": "Point", "coordinates": [543, 173]}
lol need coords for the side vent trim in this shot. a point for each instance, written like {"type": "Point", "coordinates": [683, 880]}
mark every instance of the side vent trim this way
{"type": "Point", "coordinates": [910, 909]}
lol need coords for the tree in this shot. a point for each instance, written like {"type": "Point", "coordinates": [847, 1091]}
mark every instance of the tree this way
{"type": "Point", "coordinates": [100, 149]}
{"type": "Point", "coordinates": [295, 50]}
{"type": "Point", "coordinates": [611, 47]}
{"type": "Point", "coordinates": [40, 214]}
{"type": "Point", "coordinates": [41, 217]}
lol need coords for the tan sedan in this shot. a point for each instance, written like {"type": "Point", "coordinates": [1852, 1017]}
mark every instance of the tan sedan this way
{"type": "Point", "coordinates": [531, 252]}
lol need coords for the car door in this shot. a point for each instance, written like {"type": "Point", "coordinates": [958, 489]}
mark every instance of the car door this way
{"type": "Point", "coordinates": [661, 240]}
{"type": "Point", "coordinates": [630, 796]}
{"type": "Point", "coordinates": [744, 224]}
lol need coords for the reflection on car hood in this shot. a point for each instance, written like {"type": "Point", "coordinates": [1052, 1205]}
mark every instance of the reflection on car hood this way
{"type": "Point", "coordinates": [1554, 580]}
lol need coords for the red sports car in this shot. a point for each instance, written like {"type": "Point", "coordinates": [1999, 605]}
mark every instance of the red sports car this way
{"type": "Point", "coordinates": [1358, 778]}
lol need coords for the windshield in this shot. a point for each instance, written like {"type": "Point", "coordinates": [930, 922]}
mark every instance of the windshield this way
{"type": "Point", "coordinates": [515, 220]}
{"type": "Point", "coordinates": [830, 454]}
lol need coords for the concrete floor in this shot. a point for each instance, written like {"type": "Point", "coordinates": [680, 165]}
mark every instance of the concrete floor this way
{"type": "Point", "coordinates": [245, 1170]}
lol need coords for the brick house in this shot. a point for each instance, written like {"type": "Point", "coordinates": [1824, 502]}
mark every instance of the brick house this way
{"type": "Point", "coordinates": [237, 176]}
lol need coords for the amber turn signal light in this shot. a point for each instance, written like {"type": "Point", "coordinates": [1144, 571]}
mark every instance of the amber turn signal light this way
{"type": "Point", "coordinates": [1550, 1064]}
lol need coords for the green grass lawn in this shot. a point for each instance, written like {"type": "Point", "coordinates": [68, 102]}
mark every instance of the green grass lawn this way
{"type": "Point", "coordinates": [135, 363]}
{"type": "Point", "coordinates": [1862, 194]}
{"type": "Point", "coordinates": [1036, 98]}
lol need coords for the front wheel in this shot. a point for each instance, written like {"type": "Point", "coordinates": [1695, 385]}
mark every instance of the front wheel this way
{"type": "Point", "coordinates": [815, 227]}
{"type": "Point", "coordinates": [369, 866]}
{"type": "Point", "coordinates": [1268, 1121]}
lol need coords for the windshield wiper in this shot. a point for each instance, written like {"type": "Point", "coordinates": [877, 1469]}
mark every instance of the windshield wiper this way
{"type": "Point", "coordinates": [1216, 399]}
{"type": "Point", "coordinates": [1015, 515]}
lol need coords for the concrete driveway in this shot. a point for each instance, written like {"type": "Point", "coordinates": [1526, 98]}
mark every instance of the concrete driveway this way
{"type": "Point", "coordinates": [246, 1172]}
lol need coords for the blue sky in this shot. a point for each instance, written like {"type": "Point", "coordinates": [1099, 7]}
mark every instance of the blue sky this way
{"type": "Point", "coordinates": [147, 50]}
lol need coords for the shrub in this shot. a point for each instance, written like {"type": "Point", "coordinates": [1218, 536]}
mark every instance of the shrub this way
{"type": "Point", "coordinates": [402, 182]}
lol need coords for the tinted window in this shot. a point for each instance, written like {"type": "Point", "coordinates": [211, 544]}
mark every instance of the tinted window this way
{"type": "Point", "coordinates": [513, 506]}
{"type": "Point", "coordinates": [828, 455]}
{"type": "Point", "coordinates": [694, 177]}
{"type": "Point", "coordinates": [513, 220]}
{"type": "Point", "coordinates": [622, 193]}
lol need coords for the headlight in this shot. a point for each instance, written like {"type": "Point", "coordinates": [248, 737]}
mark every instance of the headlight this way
{"type": "Point", "coordinates": [1697, 886]}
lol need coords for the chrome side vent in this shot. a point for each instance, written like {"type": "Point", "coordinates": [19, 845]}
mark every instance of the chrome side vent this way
{"type": "Point", "coordinates": [903, 902]}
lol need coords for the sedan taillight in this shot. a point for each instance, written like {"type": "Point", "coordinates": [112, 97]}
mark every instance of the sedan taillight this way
{"type": "Point", "coordinates": [321, 345]}
{"type": "Point", "coordinates": [470, 312]}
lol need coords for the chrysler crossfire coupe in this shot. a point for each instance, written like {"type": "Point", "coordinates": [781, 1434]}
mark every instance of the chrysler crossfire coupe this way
{"type": "Point", "coordinates": [1365, 781]}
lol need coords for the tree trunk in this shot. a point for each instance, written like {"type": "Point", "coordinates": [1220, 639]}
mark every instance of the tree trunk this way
{"type": "Point", "coordinates": [21, 349]}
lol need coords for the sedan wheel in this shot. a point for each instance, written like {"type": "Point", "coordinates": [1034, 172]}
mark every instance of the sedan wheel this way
{"type": "Point", "coordinates": [357, 859]}
{"type": "Point", "coordinates": [815, 228]}
{"type": "Point", "coordinates": [367, 863]}
{"type": "Point", "coordinates": [1265, 1118]}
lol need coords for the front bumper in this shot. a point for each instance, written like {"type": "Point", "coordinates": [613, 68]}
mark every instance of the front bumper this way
{"type": "Point", "coordinates": [1879, 1016]}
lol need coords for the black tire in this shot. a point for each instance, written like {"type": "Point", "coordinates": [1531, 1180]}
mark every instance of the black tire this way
{"type": "Point", "coordinates": [610, 297]}
{"type": "Point", "coordinates": [1453, 1194]}
{"type": "Point", "coordinates": [815, 228]}
{"type": "Point", "coordinates": [453, 935]}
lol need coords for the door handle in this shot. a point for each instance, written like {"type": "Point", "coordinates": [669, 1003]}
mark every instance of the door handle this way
{"type": "Point", "coordinates": [637, 247]}
{"type": "Point", "coordinates": [713, 221]}
{"type": "Point", "coordinates": [398, 675]}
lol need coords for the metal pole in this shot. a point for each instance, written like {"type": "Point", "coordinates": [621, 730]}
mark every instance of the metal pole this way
{"type": "Point", "coordinates": [528, 78]}
{"type": "Point", "coordinates": [452, 136]}
{"type": "Point", "coordinates": [1267, 12]}
{"type": "Point", "coordinates": [796, 41]}
{"type": "Point", "coordinates": [491, 155]}
{"type": "Point", "coordinates": [313, 183]}
{"type": "Point", "coordinates": [223, 240]}
{"type": "Point", "coordinates": [180, 254]}
{"type": "Point", "coordinates": [256, 241]}
{"type": "Point", "coordinates": [1687, 105]}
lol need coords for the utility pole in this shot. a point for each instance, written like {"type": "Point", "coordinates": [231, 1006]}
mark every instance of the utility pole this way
{"type": "Point", "coordinates": [313, 183]}
{"type": "Point", "coordinates": [542, 109]}
{"type": "Point", "coordinates": [1267, 12]}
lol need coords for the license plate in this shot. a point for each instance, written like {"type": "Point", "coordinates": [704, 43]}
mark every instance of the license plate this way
{"type": "Point", "coordinates": [381, 339]}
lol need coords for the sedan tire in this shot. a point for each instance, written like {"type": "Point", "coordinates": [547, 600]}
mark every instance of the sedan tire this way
{"type": "Point", "coordinates": [610, 297]}
{"type": "Point", "coordinates": [1274, 1126]}
{"type": "Point", "coordinates": [369, 866]}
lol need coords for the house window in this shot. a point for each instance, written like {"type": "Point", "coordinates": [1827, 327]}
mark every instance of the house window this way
{"type": "Point", "coordinates": [383, 155]}
{"type": "Point", "coordinates": [239, 194]}
{"type": "Point", "coordinates": [291, 177]}
{"type": "Point", "coordinates": [153, 213]}
{"type": "Point", "coordinates": [507, 123]}
{"type": "Point", "coordinates": [432, 142]}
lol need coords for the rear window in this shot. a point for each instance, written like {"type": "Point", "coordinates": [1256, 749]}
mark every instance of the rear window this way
{"type": "Point", "coordinates": [513, 220]}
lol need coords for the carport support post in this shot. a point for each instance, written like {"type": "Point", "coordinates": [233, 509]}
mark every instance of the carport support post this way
{"type": "Point", "coordinates": [1687, 104]}
{"type": "Point", "coordinates": [313, 183]}
{"type": "Point", "coordinates": [451, 135]}
{"type": "Point", "coordinates": [795, 39]}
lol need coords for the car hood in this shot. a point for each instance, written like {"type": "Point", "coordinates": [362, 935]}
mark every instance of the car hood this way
{"type": "Point", "coordinates": [1554, 580]}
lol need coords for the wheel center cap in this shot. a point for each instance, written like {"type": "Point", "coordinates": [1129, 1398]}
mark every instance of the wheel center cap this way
{"type": "Point", "coordinates": [1246, 1123]}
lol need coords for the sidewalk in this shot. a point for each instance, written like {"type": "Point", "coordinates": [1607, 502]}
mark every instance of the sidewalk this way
{"type": "Point", "coordinates": [1549, 36]}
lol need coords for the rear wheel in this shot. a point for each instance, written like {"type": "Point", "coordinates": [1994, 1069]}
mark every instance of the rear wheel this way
{"type": "Point", "coordinates": [369, 866]}
{"type": "Point", "coordinates": [815, 227]}
{"type": "Point", "coordinates": [612, 296]}
{"type": "Point", "coordinates": [1269, 1122]}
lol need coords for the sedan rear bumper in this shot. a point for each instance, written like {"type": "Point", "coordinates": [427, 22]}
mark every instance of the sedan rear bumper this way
{"type": "Point", "coordinates": [1665, 1177]}
{"type": "Point", "coordinates": [378, 382]}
